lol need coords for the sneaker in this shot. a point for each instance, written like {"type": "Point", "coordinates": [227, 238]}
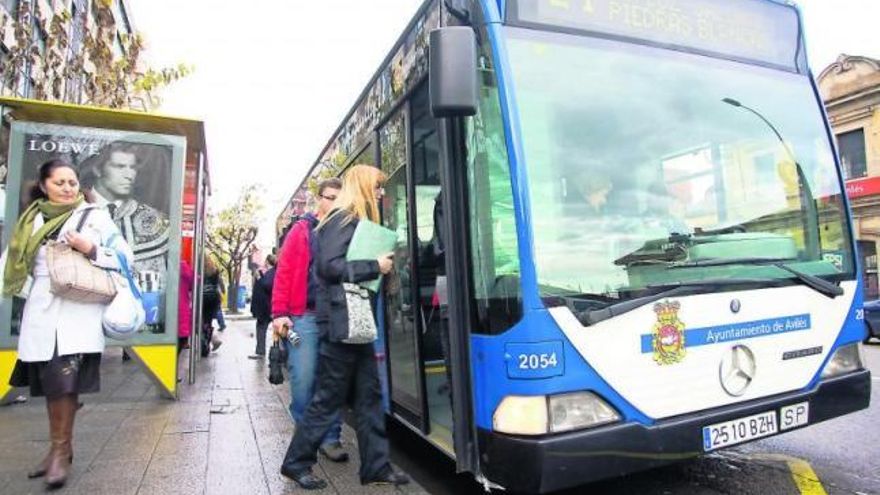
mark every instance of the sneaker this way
{"type": "Point", "coordinates": [256, 356]}
{"type": "Point", "coordinates": [391, 477]}
{"type": "Point", "coordinates": [305, 479]}
{"type": "Point", "coordinates": [215, 343]}
{"type": "Point", "coordinates": [334, 452]}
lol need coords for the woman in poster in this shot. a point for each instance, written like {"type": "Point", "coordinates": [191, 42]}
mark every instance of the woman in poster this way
{"type": "Point", "coordinates": [61, 341]}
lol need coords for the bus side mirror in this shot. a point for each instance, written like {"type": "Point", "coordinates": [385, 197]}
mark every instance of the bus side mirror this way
{"type": "Point", "coordinates": [452, 80]}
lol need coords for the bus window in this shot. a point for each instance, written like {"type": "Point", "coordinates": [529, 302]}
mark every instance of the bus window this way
{"type": "Point", "coordinates": [367, 156]}
{"type": "Point", "coordinates": [494, 249]}
{"type": "Point", "coordinates": [692, 169]}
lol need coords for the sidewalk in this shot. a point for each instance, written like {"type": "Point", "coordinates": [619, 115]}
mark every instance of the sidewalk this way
{"type": "Point", "coordinates": [226, 435]}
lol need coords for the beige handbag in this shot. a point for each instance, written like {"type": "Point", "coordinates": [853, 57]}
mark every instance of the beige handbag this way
{"type": "Point", "coordinates": [72, 276]}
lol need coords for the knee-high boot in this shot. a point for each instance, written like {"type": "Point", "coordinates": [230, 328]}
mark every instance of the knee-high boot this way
{"type": "Point", "coordinates": [61, 454]}
{"type": "Point", "coordinates": [54, 424]}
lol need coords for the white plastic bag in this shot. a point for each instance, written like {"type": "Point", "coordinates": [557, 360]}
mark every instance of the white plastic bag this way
{"type": "Point", "coordinates": [125, 314]}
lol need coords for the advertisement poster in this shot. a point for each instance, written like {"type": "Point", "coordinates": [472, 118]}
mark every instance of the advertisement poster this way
{"type": "Point", "coordinates": [138, 178]}
{"type": "Point", "coordinates": [190, 193]}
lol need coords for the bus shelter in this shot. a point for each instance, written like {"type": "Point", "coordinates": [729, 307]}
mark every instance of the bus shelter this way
{"type": "Point", "coordinates": [151, 173]}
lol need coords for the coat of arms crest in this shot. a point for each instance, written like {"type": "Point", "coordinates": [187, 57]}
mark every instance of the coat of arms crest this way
{"type": "Point", "coordinates": [668, 334]}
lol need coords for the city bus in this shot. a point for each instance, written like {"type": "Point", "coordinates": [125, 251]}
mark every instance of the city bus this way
{"type": "Point", "coordinates": [623, 238]}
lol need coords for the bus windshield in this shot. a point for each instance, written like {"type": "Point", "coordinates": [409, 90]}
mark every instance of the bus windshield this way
{"type": "Point", "coordinates": [649, 167]}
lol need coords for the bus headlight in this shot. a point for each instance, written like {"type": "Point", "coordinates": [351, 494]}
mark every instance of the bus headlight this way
{"type": "Point", "coordinates": [521, 415]}
{"type": "Point", "coordinates": [539, 415]}
{"type": "Point", "coordinates": [845, 359]}
{"type": "Point", "coordinates": [579, 410]}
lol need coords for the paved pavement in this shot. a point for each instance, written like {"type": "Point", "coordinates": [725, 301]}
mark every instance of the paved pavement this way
{"type": "Point", "coordinates": [226, 434]}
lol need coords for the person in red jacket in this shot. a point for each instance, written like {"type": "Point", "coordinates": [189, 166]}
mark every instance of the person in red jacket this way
{"type": "Point", "coordinates": [293, 312]}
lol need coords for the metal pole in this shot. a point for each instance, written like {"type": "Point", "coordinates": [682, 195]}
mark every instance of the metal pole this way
{"type": "Point", "coordinates": [190, 373]}
{"type": "Point", "coordinates": [201, 242]}
{"type": "Point", "coordinates": [198, 269]}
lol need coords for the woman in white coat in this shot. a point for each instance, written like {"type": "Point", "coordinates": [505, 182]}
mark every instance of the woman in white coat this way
{"type": "Point", "coordinates": [61, 340]}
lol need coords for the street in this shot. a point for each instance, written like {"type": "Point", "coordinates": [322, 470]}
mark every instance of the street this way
{"type": "Point", "coordinates": [836, 458]}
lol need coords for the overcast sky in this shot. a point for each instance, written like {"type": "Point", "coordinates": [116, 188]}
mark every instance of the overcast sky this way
{"type": "Point", "coordinates": [274, 78]}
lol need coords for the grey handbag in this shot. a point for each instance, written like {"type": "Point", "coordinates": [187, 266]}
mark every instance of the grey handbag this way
{"type": "Point", "coordinates": [72, 276]}
{"type": "Point", "coordinates": [361, 324]}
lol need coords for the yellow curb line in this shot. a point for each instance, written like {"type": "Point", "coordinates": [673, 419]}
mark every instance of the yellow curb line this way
{"type": "Point", "coordinates": [802, 473]}
{"type": "Point", "coordinates": [805, 478]}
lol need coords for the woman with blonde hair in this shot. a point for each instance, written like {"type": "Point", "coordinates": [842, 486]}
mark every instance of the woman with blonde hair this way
{"type": "Point", "coordinates": [344, 367]}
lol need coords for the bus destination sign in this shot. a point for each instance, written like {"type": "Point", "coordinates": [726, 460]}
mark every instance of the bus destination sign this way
{"type": "Point", "coordinates": [757, 30]}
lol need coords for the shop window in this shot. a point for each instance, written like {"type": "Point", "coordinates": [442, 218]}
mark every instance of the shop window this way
{"type": "Point", "coordinates": [868, 255]}
{"type": "Point", "coordinates": [853, 159]}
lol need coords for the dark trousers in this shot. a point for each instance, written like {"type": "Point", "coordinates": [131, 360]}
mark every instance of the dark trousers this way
{"type": "Point", "coordinates": [262, 326]}
{"type": "Point", "coordinates": [345, 371]}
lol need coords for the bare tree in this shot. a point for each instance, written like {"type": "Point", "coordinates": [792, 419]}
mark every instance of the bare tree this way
{"type": "Point", "coordinates": [231, 233]}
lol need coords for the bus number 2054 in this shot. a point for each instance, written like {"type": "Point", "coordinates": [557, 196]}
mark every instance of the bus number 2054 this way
{"type": "Point", "coordinates": [537, 361]}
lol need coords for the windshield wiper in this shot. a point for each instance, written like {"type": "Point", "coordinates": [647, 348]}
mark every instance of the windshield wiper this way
{"type": "Point", "coordinates": [818, 284]}
{"type": "Point", "coordinates": [591, 317]}
{"type": "Point", "coordinates": [757, 260]}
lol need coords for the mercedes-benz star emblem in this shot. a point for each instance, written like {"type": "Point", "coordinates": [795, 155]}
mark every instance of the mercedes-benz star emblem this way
{"type": "Point", "coordinates": [737, 370]}
{"type": "Point", "coordinates": [735, 306]}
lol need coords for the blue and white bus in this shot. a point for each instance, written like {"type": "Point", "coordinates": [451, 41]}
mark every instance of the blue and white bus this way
{"type": "Point", "coordinates": [623, 234]}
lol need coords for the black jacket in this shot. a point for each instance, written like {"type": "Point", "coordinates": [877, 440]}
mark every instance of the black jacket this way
{"type": "Point", "coordinates": [333, 239]}
{"type": "Point", "coordinates": [261, 296]}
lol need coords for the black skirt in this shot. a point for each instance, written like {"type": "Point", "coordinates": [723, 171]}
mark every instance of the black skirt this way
{"type": "Point", "coordinates": [63, 375]}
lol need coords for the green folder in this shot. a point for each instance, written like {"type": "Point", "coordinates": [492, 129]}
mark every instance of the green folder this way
{"type": "Point", "coordinates": [369, 242]}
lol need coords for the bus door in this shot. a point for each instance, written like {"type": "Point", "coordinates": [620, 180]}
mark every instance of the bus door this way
{"type": "Point", "coordinates": [415, 297]}
{"type": "Point", "coordinates": [400, 313]}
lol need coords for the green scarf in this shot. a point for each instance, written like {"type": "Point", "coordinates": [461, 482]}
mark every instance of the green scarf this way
{"type": "Point", "coordinates": [25, 242]}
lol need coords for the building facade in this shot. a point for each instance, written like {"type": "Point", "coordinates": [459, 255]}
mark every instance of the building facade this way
{"type": "Point", "coordinates": [850, 88]}
{"type": "Point", "coordinates": [39, 14]}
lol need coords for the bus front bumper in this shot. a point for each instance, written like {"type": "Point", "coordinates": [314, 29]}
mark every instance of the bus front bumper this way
{"type": "Point", "coordinates": [543, 464]}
